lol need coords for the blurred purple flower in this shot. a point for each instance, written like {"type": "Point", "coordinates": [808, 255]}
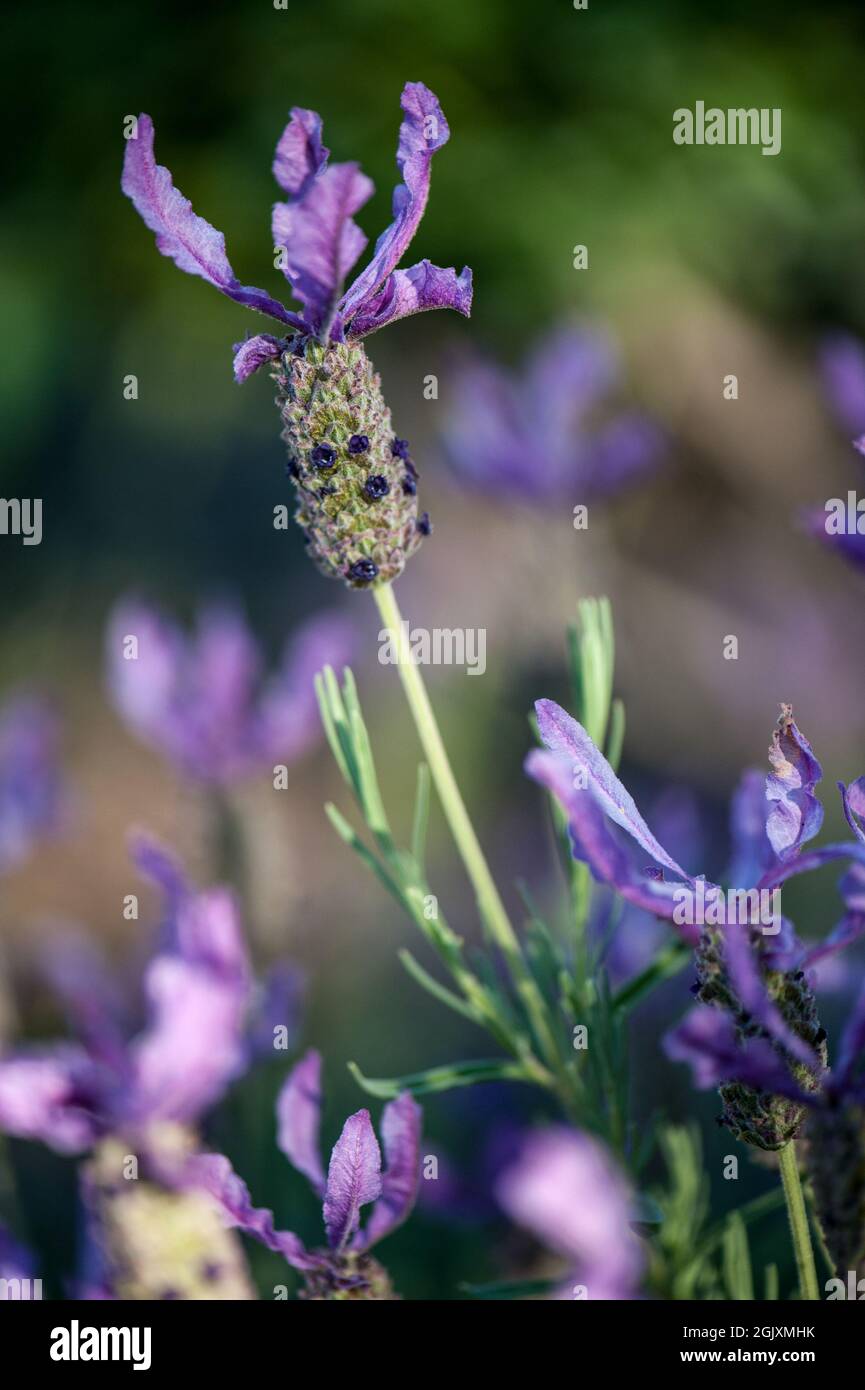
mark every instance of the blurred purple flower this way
{"type": "Point", "coordinates": [537, 435]}
{"type": "Point", "coordinates": [30, 785]}
{"type": "Point", "coordinates": [842, 370]}
{"type": "Point", "coordinates": [566, 1189]}
{"type": "Point", "coordinates": [354, 1179]}
{"type": "Point", "coordinates": [197, 990]}
{"type": "Point", "coordinates": [315, 230]}
{"type": "Point", "coordinates": [200, 700]}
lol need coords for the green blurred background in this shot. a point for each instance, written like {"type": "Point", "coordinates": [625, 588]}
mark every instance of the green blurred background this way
{"type": "Point", "coordinates": [703, 262]}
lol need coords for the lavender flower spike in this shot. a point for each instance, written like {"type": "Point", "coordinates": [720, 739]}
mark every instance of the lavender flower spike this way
{"type": "Point", "coordinates": [357, 506]}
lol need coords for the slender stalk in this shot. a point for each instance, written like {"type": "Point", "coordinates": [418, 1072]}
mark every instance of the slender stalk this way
{"type": "Point", "coordinates": [799, 1223]}
{"type": "Point", "coordinates": [490, 905]}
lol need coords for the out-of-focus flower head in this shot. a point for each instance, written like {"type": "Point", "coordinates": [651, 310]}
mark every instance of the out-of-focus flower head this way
{"type": "Point", "coordinates": [31, 799]}
{"type": "Point", "coordinates": [200, 700]}
{"type": "Point", "coordinates": [345, 1269]}
{"type": "Point", "coordinates": [197, 989]}
{"type": "Point", "coordinates": [566, 1189]}
{"type": "Point", "coordinates": [546, 432]}
{"type": "Point", "coordinates": [756, 1000]}
{"type": "Point", "coordinates": [356, 486]}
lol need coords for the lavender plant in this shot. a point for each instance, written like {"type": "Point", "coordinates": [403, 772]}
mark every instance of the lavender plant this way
{"type": "Point", "coordinates": [754, 1031]}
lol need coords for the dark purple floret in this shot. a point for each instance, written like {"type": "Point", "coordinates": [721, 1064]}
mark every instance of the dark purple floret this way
{"type": "Point", "coordinates": [363, 570]}
{"type": "Point", "coordinates": [399, 448]}
{"type": "Point", "coordinates": [409, 486]}
{"type": "Point", "coordinates": [424, 525]}
{"type": "Point", "coordinates": [323, 456]}
{"type": "Point", "coordinates": [211, 1273]}
{"type": "Point", "coordinates": [358, 444]}
{"type": "Point", "coordinates": [410, 468]}
{"type": "Point", "coordinates": [376, 486]}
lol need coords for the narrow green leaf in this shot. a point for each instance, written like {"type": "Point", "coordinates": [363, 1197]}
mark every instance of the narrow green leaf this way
{"type": "Point", "coordinates": [616, 736]}
{"type": "Point", "coordinates": [770, 1276]}
{"type": "Point", "coordinates": [670, 961]}
{"type": "Point", "coordinates": [445, 1078]}
{"type": "Point", "coordinates": [737, 1260]}
{"type": "Point", "coordinates": [435, 988]}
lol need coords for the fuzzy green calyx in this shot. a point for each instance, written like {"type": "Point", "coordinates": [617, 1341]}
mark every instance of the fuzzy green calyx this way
{"type": "Point", "coordinates": [835, 1162]}
{"type": "Point", "coordinates": [758, 1117]}
{"type": "Point", "coordinates": [356, 496]}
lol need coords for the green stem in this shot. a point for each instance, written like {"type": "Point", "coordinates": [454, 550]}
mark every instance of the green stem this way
{"type": "Point", "coordinates": [799, 1223]}
{"type": "Point", "coordinates": [490, 905]}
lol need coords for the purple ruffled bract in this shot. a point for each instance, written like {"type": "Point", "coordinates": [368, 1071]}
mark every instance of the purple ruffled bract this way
{"type": "Point", "coordinates": [314, 229]}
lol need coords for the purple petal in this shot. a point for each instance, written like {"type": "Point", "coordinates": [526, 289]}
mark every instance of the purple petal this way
{"type": "Point", "coordinates": [300, 156]}
{"type": "Point", "coordinates": [353, 1178]}
{"type": "Point", "coordinates": [795, 814]}
{"type": "Point", "coordinates": [849, 929]}
{"type": "Point", "coordinates": [401, 1130]}
{"type": "Point", "coordinates": [615, 455]}
{"type": "Point", "coordinates": [852, 1047]}
{"type": "Point", "coordinates": [812, 859]}
{"type": "Point", "coordinates": [210, 935]}
{"type": "Point", "coordinates": [278, 1004]}
{"type": "Point", "coordinates": [31, 793]}
{"type": "Point", "coordinates": [155, 861]}
{"type": "Point", "coordinates": [566, 1189]}
{"type": "Point", "coordinates": [853, 799]}
{"type": "Point", "coordinates": [706, 1039]}
{"type": "Point", "coordinates": [842, 365]}
{"type": "Point", "coordinates": [213, 1174]}
{"type": "Point", "coordinates": [298, 1116]}
{"type": "Point", "coordinates": [750, 990]}
{"type": "Point", "coordinates": [194, 1045]}
{"type": "Point", "coordinates": [423, 131]}
{"type": "Point", "coordinates": [320, 239]}
{"type": "Point", "coordinates": [594, 843]}
{"type": "Point", "coordinates": [254, 352]}
{"type": "Point", "coordinates": [187, 239]}
{"type": "Point", "coordinates": [289, 719]}
{"type": "Point", "coordinates": [752, 853]}
{"type": "Point", "coordinates": [565, 736]}
{"type": "Point", "coordinates": [42, 1096]}
{"type": "Point", "coordinates": [423, 286]}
